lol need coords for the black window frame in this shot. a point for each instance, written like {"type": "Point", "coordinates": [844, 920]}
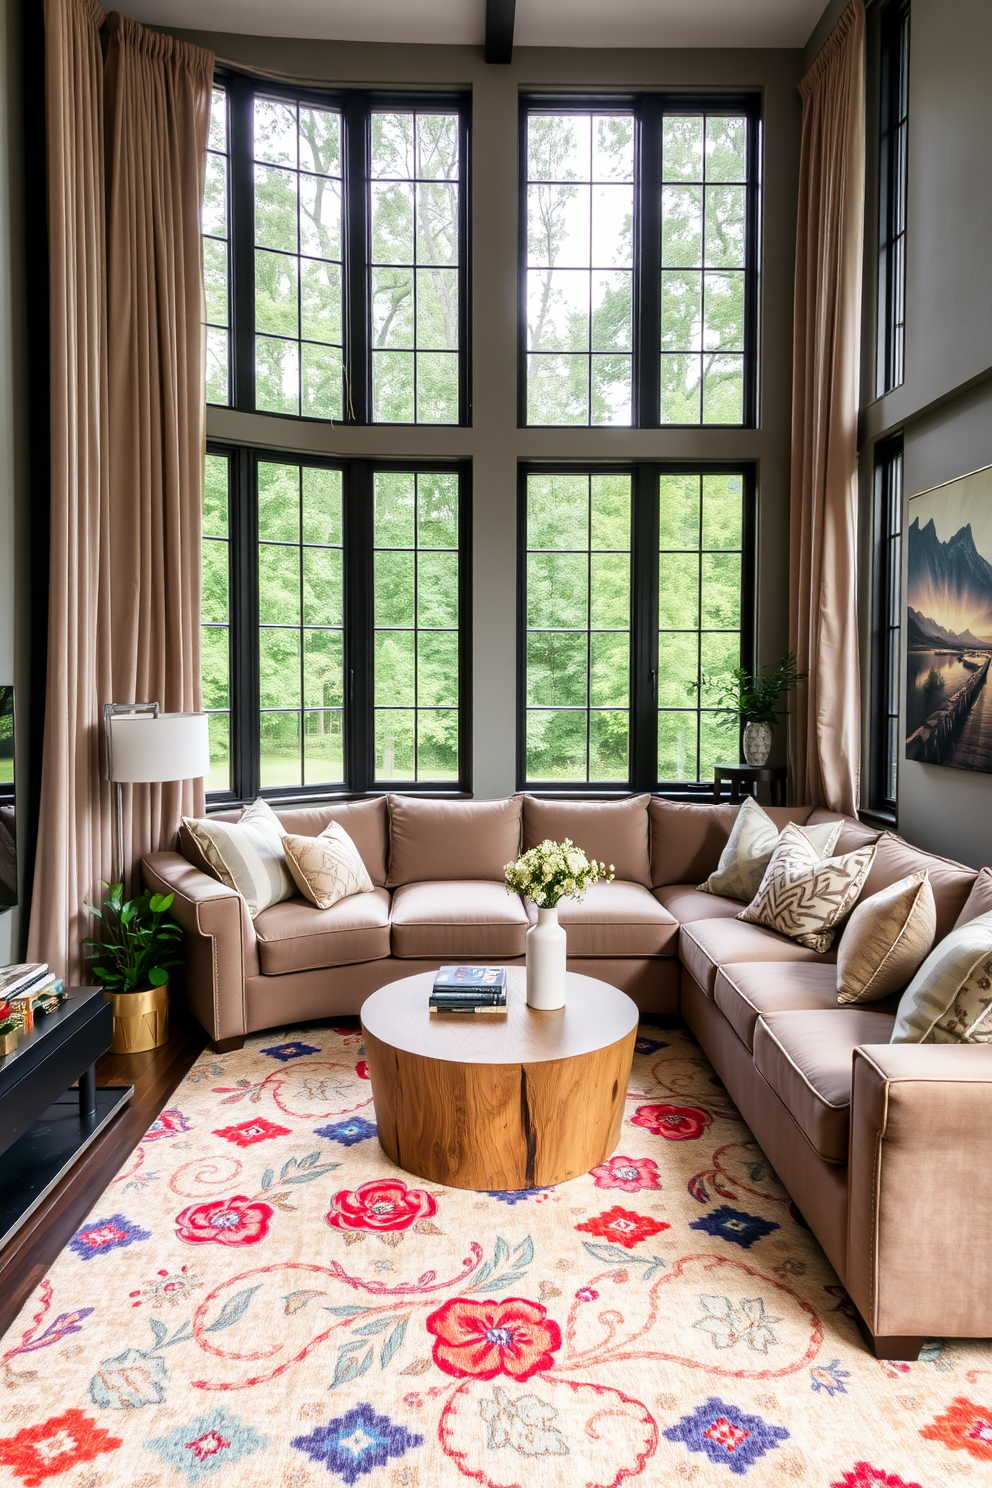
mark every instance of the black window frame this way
{"type": "Point", "coordinates": [885, 688]}
{"type": "Point", "coordinates": [648, 110]}
{"type": "Point", "coordinates": [358, 564]}
{"type": "Point", "coordinates": [644, 615]}
{"type": "Point", "coordinates": [357, 106]}
{"type": "Point", "coordinates": [893, 186]}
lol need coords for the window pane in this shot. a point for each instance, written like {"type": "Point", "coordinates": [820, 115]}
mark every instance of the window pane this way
{"type": "Point", "coordinates": [216, 275]}
{"type": "Point", "coordinates": [577, 681]}
{"type": "Point", "coordinates": [280, 761]}
{"type": "Point", "coordinates": [219, 731]}
{"type": "Point", "coordinates": [215, 663]}
{"type": "Point", "coordinates": [580, 215]}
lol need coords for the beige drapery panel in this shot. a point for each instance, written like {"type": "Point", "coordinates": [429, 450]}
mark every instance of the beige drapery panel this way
{"type": "Point", "coordinates": [127, 436]}
{"type": "Point", "coordinates": [825, 721]}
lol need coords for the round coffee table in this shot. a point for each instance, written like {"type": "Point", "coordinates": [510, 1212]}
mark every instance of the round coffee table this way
{"type": "Point", "coordinates": [521, 1099]}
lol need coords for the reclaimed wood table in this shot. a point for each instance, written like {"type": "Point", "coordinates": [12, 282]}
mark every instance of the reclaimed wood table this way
{"type": "Point", "coordinates": [514, 1100]}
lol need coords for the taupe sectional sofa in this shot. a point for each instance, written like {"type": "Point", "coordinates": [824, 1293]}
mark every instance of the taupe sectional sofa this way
{"type": "Point", "coordinates": [883, 1147]}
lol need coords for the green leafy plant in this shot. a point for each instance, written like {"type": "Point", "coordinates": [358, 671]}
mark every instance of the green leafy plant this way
{"type": "Point", "coordinates": [752, 697]}
{"type": "Point", "coordinates": [553, 871]}
{"type": "Point", "coordinates": [139, 943]}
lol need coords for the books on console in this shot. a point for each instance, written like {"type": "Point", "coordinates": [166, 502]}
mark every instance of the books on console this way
{"type": "Point", "coordinates": [469, 989]}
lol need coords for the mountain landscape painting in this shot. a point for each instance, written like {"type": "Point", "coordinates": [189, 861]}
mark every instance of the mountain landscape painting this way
{"type": "Point", "coordinates": [949, 624]}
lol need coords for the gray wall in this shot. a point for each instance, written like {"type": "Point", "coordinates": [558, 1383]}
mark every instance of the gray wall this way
{"type": "Point", "coordinates": [495, 444]}
{"type": "Point", "coordinates": [944, 406]}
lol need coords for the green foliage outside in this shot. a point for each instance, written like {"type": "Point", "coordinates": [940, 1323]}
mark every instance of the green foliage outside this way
{"type": "Point", "coordinates": [215, 251]}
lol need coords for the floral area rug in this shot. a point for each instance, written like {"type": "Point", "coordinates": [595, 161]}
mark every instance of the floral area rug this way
{"type": "Point", "coordinates": [260, 1297]}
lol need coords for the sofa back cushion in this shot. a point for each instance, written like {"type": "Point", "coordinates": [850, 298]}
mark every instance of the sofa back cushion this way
{"type": "Point", "coordinates": [430, 840]}
{"type": "Point", "coordinates": [687, 837]}
{"type": "Point", "coordinates": [979, 901]}
{"type": "Point", "coordinates": [951, 882]}
{"type": "Point", "coordinates": [612, 832]}
{"type": "Point", "coordinates": [366, 823]}
{"type": "Point", "coordinates": [853, 834]}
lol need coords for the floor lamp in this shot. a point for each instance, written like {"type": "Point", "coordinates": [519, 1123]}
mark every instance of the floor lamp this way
{"type": "Point", "coordinates": [148, 747]}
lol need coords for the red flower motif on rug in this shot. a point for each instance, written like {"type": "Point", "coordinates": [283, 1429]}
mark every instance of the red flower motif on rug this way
{"type": "Point", "coordinates": [627, 1173]}
{"type": "Point", "coordinates": [61, 1442]}
{"type": "Point", "coordinates": [863, 1475]}
{"type": "Point", "coordinates": [362, 1069]}
{"type": "Point", "coordinates": [384, 1204]}
{"type": "Point", "coordinates": [964, 1427]}
{"type": "Point", "coordinates": [623, 1226]}
{"type": "Point", "coordinates": [236, 1221]}
{"type": "Point", "coordinates": [250, 1132]}
{"type": "Point", "coordinates": [483, 1339]}
{"type": "Point", "coordinates": [677, 1123]}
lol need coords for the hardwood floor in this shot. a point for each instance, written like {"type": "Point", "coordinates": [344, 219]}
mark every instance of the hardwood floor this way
{"type": "Point", "coordinates": [155, 1075]}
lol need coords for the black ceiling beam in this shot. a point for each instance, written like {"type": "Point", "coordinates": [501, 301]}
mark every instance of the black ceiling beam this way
{"type": "Point", "coordinates": [499, 30]}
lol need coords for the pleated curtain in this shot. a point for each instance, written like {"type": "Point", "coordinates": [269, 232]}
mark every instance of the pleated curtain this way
{"type": "Point", "coordinates": [825, 719]}
{"type": "Point", "coordinates": [126, 143]}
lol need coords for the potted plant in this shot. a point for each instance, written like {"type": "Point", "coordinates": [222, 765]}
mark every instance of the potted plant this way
{"type": "Point", "coordinates": [545, 875]}
{"type": "Point", "coordinates": [132, 960]}
{"type": "Point", "coordinates": [751, 699]}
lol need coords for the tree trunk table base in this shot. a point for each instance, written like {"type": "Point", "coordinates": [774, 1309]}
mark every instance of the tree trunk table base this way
{"type": "Point", "coordinates": [509, 1101]}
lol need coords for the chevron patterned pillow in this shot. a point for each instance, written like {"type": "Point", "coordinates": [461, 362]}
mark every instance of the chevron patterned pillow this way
{"type": "Point", "coordinates": [806, 897]}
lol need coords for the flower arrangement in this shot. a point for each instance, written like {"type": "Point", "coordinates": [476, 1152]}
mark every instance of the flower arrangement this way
{"type": "Point", "coordinates": [553, 871]}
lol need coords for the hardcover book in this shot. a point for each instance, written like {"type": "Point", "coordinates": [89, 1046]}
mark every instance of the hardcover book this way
{"type": "Point", "coordinates": [470, 978]}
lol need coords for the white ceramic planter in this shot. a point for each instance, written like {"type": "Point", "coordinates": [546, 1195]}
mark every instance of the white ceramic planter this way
{"type": "Point", "coordinates": [757, 743]}
{"type": "Point", "coordinates": [546, 962]}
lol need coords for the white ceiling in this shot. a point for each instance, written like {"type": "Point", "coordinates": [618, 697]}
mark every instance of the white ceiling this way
{"type": "Point", "coordinates": [582, 23]}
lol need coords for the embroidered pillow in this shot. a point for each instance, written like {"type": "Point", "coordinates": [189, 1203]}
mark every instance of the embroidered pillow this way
{"type": "Point", "coordinates": [806, 897]}
{"type": "Point", "coordinates": [886, 940]}
{"type": "Point", "coordinates": [949, 1001]}
{"type": "Point", "coordinates": [326, 868]}
{"type": "Point", "coordinates": [246, 855]}
{"type": "Point", "coordinates": [749, 848]}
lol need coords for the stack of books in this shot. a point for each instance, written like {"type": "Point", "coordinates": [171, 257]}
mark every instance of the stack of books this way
{"type": "Point", "coordinates": [27, 991]}
{"type": "Point", "coordinates": [469, 989]}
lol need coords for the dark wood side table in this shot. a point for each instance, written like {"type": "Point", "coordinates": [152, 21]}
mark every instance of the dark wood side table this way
{"type": "Point", "coordinates": [743, 779]}
{"type": "Point", "coordinates": [45, 1125]}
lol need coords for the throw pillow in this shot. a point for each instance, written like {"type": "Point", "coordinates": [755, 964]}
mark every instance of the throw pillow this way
{"type": "Point", "coordinates": [949, 1001]}
{"type": "Point", "coordinates": [886, 940]}
{"type": "Point", "coordinates": [749, 849]}
{"type": "Point", "coordinates": [804, 896]}
{"type": "Point", "coordinates": [326, 868]}
{"type": "Point", "coordinates": [246, 855]}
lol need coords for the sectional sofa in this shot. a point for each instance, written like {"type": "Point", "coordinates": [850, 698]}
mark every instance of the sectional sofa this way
{"type": "Point", "coordinates": [882, 1147]}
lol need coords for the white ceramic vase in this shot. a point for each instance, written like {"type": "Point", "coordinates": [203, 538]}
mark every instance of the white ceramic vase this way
{"type": "Point", "coordinates": [546, 962]}
{"type": "Point", "coordinates": [757, 743]}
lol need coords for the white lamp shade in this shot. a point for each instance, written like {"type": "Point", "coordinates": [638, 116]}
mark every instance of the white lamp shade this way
{"type": "Point", "coordinates": [173, 746]}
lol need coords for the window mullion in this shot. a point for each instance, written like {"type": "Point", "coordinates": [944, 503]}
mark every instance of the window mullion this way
{"type": "Point", "coordinates": [359, 651]}
{"type": "Point", "coordinates": [644, 630]}
{"type": "Point", "coordinates": [242, 269]}
{"type": "Point", "coordinates": [356, 115]}
{"type": "Point", "coordinates": [245, 724]}
{"type": "Point", "coordinates": [647, 267]}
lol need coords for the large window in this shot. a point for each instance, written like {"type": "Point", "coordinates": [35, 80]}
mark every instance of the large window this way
{"type": "Point", "coordinates": [635, 605]}
{"type": "Point", "coordinates": [335, 254]}
{"type": "Point", "coordinates": [334, 592]}
{"type": "Point", "coordinates": [887, 626]}
{"type": "Point", "coordinates": [893, 175]}
{"type": "Point", "coordinates": [639, 226]}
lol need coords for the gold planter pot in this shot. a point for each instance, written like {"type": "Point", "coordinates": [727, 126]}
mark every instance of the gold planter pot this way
{"type": "Point", "coordinates": [141, 1019]}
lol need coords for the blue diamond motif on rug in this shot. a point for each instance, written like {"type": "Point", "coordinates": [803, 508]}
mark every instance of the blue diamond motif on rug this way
{"type": "Point", "coordinates": [649, 1046]}
{"type": "Point", "coordinates": [354, 1129]}
{"type": "Point", "coordinates": [514, 1195]}
{"type": "Point", "coordinates": [293, 1050]}
{"type": "Point", "coordinates": [207, 1444]}
{"type": "Point", "coordinates": [106, 1234]}
{"type": "Point", "coordinates": [734, 1225]}
{"type": "Point", "coordinates": [728, 1436]}
{"type": "Point", "coordinates": [357, 1443]}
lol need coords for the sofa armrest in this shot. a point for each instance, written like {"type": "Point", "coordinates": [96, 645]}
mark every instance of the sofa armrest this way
{"type": "Point", "coordinates": [919, 1262]}
{"type": "Point", "coordinates": [220, 944]}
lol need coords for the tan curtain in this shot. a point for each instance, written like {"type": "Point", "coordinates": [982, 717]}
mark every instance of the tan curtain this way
{"type": "Point", "coordinates": [74, 842]}
{"type": "Point", "coordinates": [127, 437]}
{"type": "Point", "coordinates": [825, 721]}
{"type": "Point", "coordinates": [157, 116]}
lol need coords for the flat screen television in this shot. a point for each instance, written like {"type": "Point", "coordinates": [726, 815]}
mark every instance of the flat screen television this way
{"type": "Point", "coordinates": [8, 834]}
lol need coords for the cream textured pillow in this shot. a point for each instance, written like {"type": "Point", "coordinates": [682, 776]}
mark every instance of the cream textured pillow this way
{"type": "Point", "coordinates": [326, 868]}
{"type": "Point", "coordinates": [246, 855]}
{"type": "Point", "coordinates": [749, 848]}
{"type": "Point", "coordinates": [806, 897]}
{"type": "Point", "coordinates": [886, 940]}
{"type": "Point", "coordinates": [949, 1001]}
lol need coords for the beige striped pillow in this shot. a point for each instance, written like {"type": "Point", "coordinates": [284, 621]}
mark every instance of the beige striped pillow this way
{"type": "Point", "coordinates": [246, 855]}
{"type": "Point", "coordinates": [806, 897]}
{"type": "Point", "coordinates": [949, 1001]}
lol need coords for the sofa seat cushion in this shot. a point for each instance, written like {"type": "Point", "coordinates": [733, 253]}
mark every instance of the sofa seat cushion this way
{"type": "Point", "coordinates": [297, 936]}
{"type": "Point", "coordinates": [751, 989]}
{"type": "Point", "coordinates": [616, 919]}
{"type": "Point", "coordinates": [472, 919]}
{"type": "Point", "coordinates": [807, 1059]}
{"type": "Point", "coordinates": [687, 903]}
{"type": "Point", "coordinates": [706, 945]}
